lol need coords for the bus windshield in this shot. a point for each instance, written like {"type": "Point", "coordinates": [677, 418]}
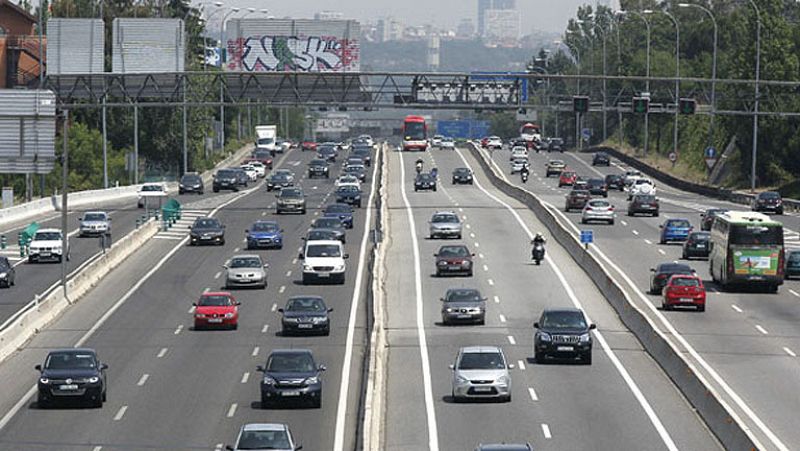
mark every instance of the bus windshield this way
{"type": "Point", "coordinates": [414, 131]}
{"type": "Point", "coordinates": [756, 235]}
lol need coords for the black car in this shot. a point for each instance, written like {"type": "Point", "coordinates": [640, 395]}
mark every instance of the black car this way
{"type": "Point", "coordinates": [643, 204]}
{"type": "Point", "coordinates": [792, 263]}
{"type": "Point", "coordinates": [364, 153]}
{"type": "Point", "coordinates": [353, 160]}
{"type": "Point", "coordinates": [318, 168]}
{"type": "Point", "coordinates": [697, 245]}
{"type": "Point", "coordinates": [291, 199]}
{"type": "Point", "coordinates": [601, 159]}
{"type": "Point", "coordinates": [207, 231]}
{"type": "Point", "coordinates": [327, 153]}
{"type": "Point", "coordinates": [71, 374]}
{"type": "Point", "coordinates": [768, 201]}
{"type": "Point", "coordinates": [356, 170]}
{"type": "Point", "coordinates": [342, 211]}
{"type": "Point", "coordinates": [555, 145]}
{"type": "Point", "coordinates": [291, 375]}
{"type": "Point", "coordinates": [241, 176]}
{"type": "Point", "coordinates": [280, 178]}
{"type": "Point", "coordinates": [322, 235]}
{"type": "Point", "coordinates": [708, 217]}
{"type": "Point", "coordinates": [563, 334]}
{"type": "Point", "coordinates": [615, 181]}
{"type": "Point", "coordinates": [597, 187]}
{"type": "Point", "coordinates": [349, 194]}
{"type": "Point", "coordinates": [462, 176]}
{"type": "Point", "coordinates": [331, 223]}
{"type": "Point", "coordinates": [226, 179]}
{"type": "Point", "coordinates": [190, 183]}
{"type": "Point", "coordinates": [305, 314]}
{"type": "Point", "coordinates": [7, 272]}
{"type": "Point", "coordinates": [425, 181]}
{"type": "Point", "coordinates": [663, 272]}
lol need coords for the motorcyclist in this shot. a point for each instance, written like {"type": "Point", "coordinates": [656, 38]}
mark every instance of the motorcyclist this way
{"type": "Point", "coordinates": [419, 165]}
{"type": "Point", "coordinates": [538, 239]}
{"type": "Point", "coordinates": [434, 172]}
{"type": "Point", "coordinates": [524, 173]}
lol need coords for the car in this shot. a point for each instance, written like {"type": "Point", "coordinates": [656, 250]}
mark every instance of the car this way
{"type": "Point", "coordinates": [580, 183]}
{"type": "Point", "coordinates": [424, 181]}
{"type": "Point", "coordinates": [264, 436]}
{"type": "Point", "coordinates": [305, 314]}
{"type": "Point", "coordinates": [436, 141]}
{"type": "Point", "coordinates": [698, 244]}
{"type": "Point", "coordinates": [641, 186]}
{"type": "Point", "coordinates": [768, 201]}
{"type": "Point", "coordinates": [677, 229]}
{"type": "Point", "coordinates": [290, 200]}
{"type": "Point", "coordinates": [206, 230]}
{"type": "Point", "coordinates": [462, 176]}
{"type": "Point", "coordinates": [349, 194]}
{"type": "Point", "coordinates": [241, 176]}
{"type": "Point", "coordinates": [643, 204]}
{"type": "Point", "coordinates": [630, 175]}
{"type": "Point", "coordinates": [252, 173]}
{"type": "Point", "coordinates": [684, 290]}
{"type": "Point", "coordinates": [47, 245]}
{"type": "Point", "coordinates": [7, 273]}
{"type": "Point", "coordinates": [331, 223]}
{"type": "Point", "coordinates": [264, 156]}
{"type": "Point", "coordinates": [708, 217]}
{"type": "Point", "coordinates": [447, 143]}
{"type": "Point", "coordinates": [364, 153]}
{"type": "Point", "coordinates": [555, 167]}
{"type": "Point", "coordinates": [150, 194]}
{"type": "Point", "coordinates": [567, 178]}
{"type": "Point", "coordinates": [357, 170]}
{"type": "Point", "coordinates": [484, 142]}
{"type": "Point", "coordinates": [454, 260]}
{"type": "Point", "coordinates": [280, 178]}
{"type": "Point", "coordinates": [463, 305]}
{"type": "Point", "coordinates": [282, 145]}
{"type": "Point", "coordinates": [342, 211]}
{"type": "Point", "coordinates": [71, 374]}
{"type": "Point", "coordinates": [191, 183]}
{"type": "Point", "coordinates": [308, 144]}
{"type": "Point", "coordinates": [504, 447]}
{"type": "Point", "coordinates": [367, 139]}
{"type": "Point", "coordinates": [264, 234]}
{"type": "Point", "coordinates": [661, 274]}
{"type": "Point", "coordinates": [518, 152]}
{"type": "Point", "coordinates": [259, 167]}
{"type": "Point", "coordinates": [597, 187]}
{"type": "Point", "coordinates": [245, 271]}
{"type": "Point", "coordinates": [347, 179]}
{"type": "Point", "coordinates": [555, 145]}
{"type": "Point", "coordinates": [227, 179]}
{"type": "Point", "coordinates": [94, 223]}
{"type": "Point", "coordinates": [517, 164]}
{"type": "Point", "coordinates": [323, 261]}
{"type": "Point", "coordinates": [318, 168]}
{"type": "Point", "coordinates": [216, 309]}
{"type": "Point", "coordinates": [792, 264]}
{"type": "Point", "coordinates": [322, 235]}
{"type": "Point", "coordinates": [598, 210]}
{"type": "Point", "coordinates": [353, 161]}
{"type": "Point", "coordinates": [327, 153]}
{"type": "Point", "coordinates": [481, 372]}
{"type": "Point", "coordinates": [563, 333]}
{"type": "Point", "coordinates": [615, 181]}
{"type": "Point", "coordinates": [445, 224]}
{"type": "Point", "coordinates": [494, 142]}
{"type": "Point", "coordinates": [291, 375]}
{"type": "Point", "coordinates": [576, 200]}
{"type": "Point", "coordinates": [601, 159]}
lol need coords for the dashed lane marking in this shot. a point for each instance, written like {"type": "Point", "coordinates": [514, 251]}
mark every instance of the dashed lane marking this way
{"type": "Point", "coordinates": [761, 329]}
{"type": "Point", "coordinates": [255, 352]}
{"type": "Point", "coordinates": [502, 318]}
{"type": "Point", "coordinates": [532, 393]}
{"type": "Point", "coordinates": [512, 340]}
{"type": "Point", "coordinates": [232, 410]}
{"type": "Point", "coordinates": [245, 377]}
{"type": "Point", "coordinates": [521, 364]}
{"type": "Point", "coordinates": [120, 413]}
{"type": "Point", "coordinates": [282, 289]}
{"type": "Point", "coordinates": [179, 329]}
{"type": "Point", "coordinates": [496, 300]}
{"type": "Point", "coordinates": [546, 431]}
{"type": "Point", "coordinates": [789, 351]}
{"type": "Point", "coordinates": [161, 353]}
{"type": "Point", "coordinates": [143, 379]}
{"type": "Point", "coordinates": [736, 307]}
{"type": "Point", "coordinates": [265, 328]}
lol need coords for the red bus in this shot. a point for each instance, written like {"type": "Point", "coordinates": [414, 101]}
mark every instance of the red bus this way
{"type": "Point", "coordinates": [415, 133]}
{"type": "Point", "coordinates": [530, 132]}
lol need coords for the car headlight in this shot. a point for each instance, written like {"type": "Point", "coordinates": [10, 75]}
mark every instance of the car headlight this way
{"type": "Point", "coordinates": [3, 275]}
{"type": "Point", "coordinates": [44, 380]}
{"type": "Point", "coordinates": [585, 338]}
{"type": "Point", "coordinates": [229, 315]}
{"type": "Point", "coordinates": [338, 268]}
{"type": "Point", "coordinates": [503, 380]}
{"type": "Point", "coordinates": [319, 319]}
{"type": "Point", "coordinates": [544, 336]}
{"type": "Point", "coordinates": [442, 263]}
{"type": "Point", "coordinates": [268, 380]}
{"type": "Point", "coordinates": [358, 197]}
{"type": "Point", "coordinates": [312, 380]}
{"type": "Point", "coordinates": [200, 315]}
{"type": "Point", "coordinates": [461, 379]}
{"type": "Point", "coordinates": [94, 380]}
{"type": "Point", "coordinates": [451, 310]}
{"type": "Point", "coordinates": [466, 263]}
{"type": "Point", "coordinates": [308, 267]}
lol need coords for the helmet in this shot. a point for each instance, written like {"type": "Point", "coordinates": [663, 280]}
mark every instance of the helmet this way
{"type": "Point", "coordinates": [538, 235]}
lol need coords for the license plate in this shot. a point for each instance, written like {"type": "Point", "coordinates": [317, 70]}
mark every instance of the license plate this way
{"type": "Point", "coordinates": [689, 300]}
{"type": "Point", "coordinates": [464, 316]}
{"type": "Point", "coordinates": [454, 268]}
{"type": "Point", "coordinates": [483, 389]}
{"type": "Point", "coordinates": [304, 326]}
{"type": "Point", "coordinates": [291, 393]}
{"type": "Point", "coordinates": [701, 246]}
{"type": "Point", "coordinates": [323, 274]}
{"type": "Point", "coordinates": [68, 387]}
{"type": "Point", "coordinates": [565, 348]}
{"type": "Point", "coordinates": [45, 254]}
{"type": "Point", "coordinates": [215, 320]}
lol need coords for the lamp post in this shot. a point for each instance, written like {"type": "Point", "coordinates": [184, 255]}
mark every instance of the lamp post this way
{"type": "Point", "coordinates": [219, 6]}
{"type": "Point", "coordinates": [603, 33]}
{"type": "Point", "coordinates": [677, 74]}
{"type": "Point", "coordinates": [713, 68]}
{"type": "Point", "coordinates": [647, 83]}
{"type": "Point", "coordinates": [532, 68]}
{"type": "Point", "coordinates": [755, 106]}
{"type": "Point", "coordinates": [222, 64]}
{"type": "Point", "coordinates": [249, 11]}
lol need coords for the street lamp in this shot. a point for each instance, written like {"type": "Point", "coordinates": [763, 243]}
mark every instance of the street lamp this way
{"type": "Point", "coordinates": [647, 83]}
{"type": "Point", "coordinates": [222, 64]}
{"type": "Point", "coordinates": [220, 7]}
{"type": "Point", "coordinates": [713, 68]}
{"type": "Point", "coordinates": [677, 74]}
{"type": "Point", "coordinates": [249, 11]}
{"type": "Point", "coordinates": [603, 33]}
{"type": "Point", "coordinates": [755, 106]}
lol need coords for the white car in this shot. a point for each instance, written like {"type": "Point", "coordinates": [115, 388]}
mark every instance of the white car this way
{"type": "Point", "coordinates": [437, 140]}
{"type": "Point", "coordinates": [323, 261]}
{"type": "Point", "coordinates": [630, 175]}
{"type": "Point", "coordinates": [518, 164]}
{"type": "Point", "coordinates": [345, 180]}
{"type": "Point", "coordinates": [495, 142]}
{"type": "Point", "coordinates": [251, 172]}
{"type": "Point", "coordinates": [518, 152]}
{"type": "Point", "coordinates": [151, 193]}
{"type": "Point", "coordinates": [259, 167]}
{"type": "Point", "coordinates": [641, 186]}
{"type": "Point", "coordinates": [47, 246]}
{"type": "Point", "coordinates": [598, 210]}
{"type": "Point", "coordinates": [367, 139]}
{"type": "Point", "coordinates": [448, 143]}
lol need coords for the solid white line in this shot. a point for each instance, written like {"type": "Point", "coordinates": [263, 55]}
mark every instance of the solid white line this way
{"type": "Point", "coordinates": [502, 318]}
{"type": "Point", "coordinates": [179, 329]}
{"type": "Point", "coordinates": [761, 329]}
{"type": "Point", "coordinates": [521, 364]}
{"type": "Point", "coordinates": [511, 339]}
{"type": "Point", "coordinates": [789, 351]}
{"type": "Point", "coordinates": [256, 350]}
{"type": "Point", "coordinates": [532, 392]}
{"type": "Point", "coordinates": [97, 448]}
{"type": "Point", "coordinates": [143, 379]}
{"type": "Point", "coordinates": [191, 310]}
{"type": "Point", "coordinates": [496, 300]}
{"type": "Point", "coordinates": [245, 377]}
{"type": "Point", "coordinates": [736, 307]}
{"type": "Point", "coordinates": [264, 329]}
{"type": "Point", "coordinates": [120, 413]}
{"type": "Point", "coordinates": [232, 410]}
{"type": "Point", "coordinates": [294, 261]}
{"type": "Point", "coordinates": [546, 431]}
{"type": "Point", "coordinates": [161, 353]}
{"type": "Point", "coordinates": [433, 435]}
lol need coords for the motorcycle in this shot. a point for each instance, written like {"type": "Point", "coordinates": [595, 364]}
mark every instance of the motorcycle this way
{"type": "Point", "coordinates": [524, 176]}
{"type": "Point", "coordinates": [537, 254]}
{"type": "Point", "coordinates": [419, 168]}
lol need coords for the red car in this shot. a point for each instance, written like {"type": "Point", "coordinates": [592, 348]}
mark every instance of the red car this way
{"type": "Point", "coordinates": [567, 178]}
{"type": "Point", "coordinates": [216, 309]}
{"type": "Point", "coordinates": [684, 291]}
{"type": "Point", "coordinates": [308, 145]}
{"type": "Point", "coordinates": [264, 156]}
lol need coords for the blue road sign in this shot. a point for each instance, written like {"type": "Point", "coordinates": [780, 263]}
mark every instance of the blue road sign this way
{"type": "Point", "coordinates": [465, 129]}
{"type": "Point", "coordinates": [586, 133]}
{"type": "Point", "coordinates": [710, 152]}
{"type": "Point", "coordinates": [587, 236]}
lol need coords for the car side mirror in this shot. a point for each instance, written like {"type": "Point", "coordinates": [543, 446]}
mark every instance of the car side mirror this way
{"type": "Point", "coordinates": [80, 219]}
{"type": "Point", "coordinates": [238, 303]}
{"type": "Point", "coordinates": [194, 304]}
{"type": "Point", "coordinates": [260, 369]}
{"type": "Point", "coordinates": [652, 270]}
{"type": "Point", "coordinates": [346, 256]}
{"type": "Point", "coordinates": [435, 255]}
{"type": "Point", "coordinates": [103, 366]}
{"type": "Point", "coordinates": [330, 309]}
{"type": "Point", "coordinates": [280, 310]}
{"type": "Point", "coordinates": [38, 367]}
{"type": "Point", "coordinates": [441, 299]}
{"type": "Point", "coordinates": [536, 325]}
{"type": "Point", "coordinates": [322, 368]}
{"type": "Point", "coordinates": [300, 256]}
{"type": "Point", "coordinates": [592, 326]}
{"type": "Point", "coordinates": [473, 254]}
{"type": "Point", "coordinates": [189, 227]}
{"type": "Point", "coordinates": [281, 230]}
{"type": "Point", "coordinates": [452, 367]}
{"type": "Point", "coordinates": [246, 231]}
{"type": "Point", "coordinates": [225, 266]}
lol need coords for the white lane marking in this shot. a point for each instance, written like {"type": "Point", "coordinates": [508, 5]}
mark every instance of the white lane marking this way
{"type": "Point", "coordinates": [282, 289]}
{"type": "Point", "coordinates": [294, 261]}
{"type": "Point", "coordinates": [546, 431]}
{"type": "Point", "coordinates": [471, 235]}
{"type": "Point", "coordinates": [235, 250]}
{"type": "Point", "coordinates": [143, 379]}
{"type": "Point", "coordinates": [206, 290]}
{"type": "Point", "coordinates": [341, 408]}
{"type": "Point", "coordinates": [789, 351]}
{"type": "Point", "coordinates": [736, 307]}
{"type": "Point", "coordinates": [289, 273]}
{"type": "Point", "coordinates": [274, 307]}
{"type": "Point", "coordinates": [179, 329]}
{"type": "Point", "coordinates": [511, 339]}
{"type": "Point", "coordinates": [219, 273]}
{"type": "Point", "coordinates": [481, 255]}
{"type": "Point", "coordinates": [245, 377]}
{"type": "Point", "coordinates": [232, 410]}
{"type": "Point", "coordinates": [477, 244]}
{"type": "Point", "coordinates": [255, 352]}
{"type": "Point", "coordinates": [460, 209]}
{"type": "Point", "coordinates": [191, 310]}
{"type": "Point", "coordinates": [491, 282]}
{"type": "Point", "coordinates": [761, 329]}
{"type": "Point", "coordinates": [661, 251]}
{"type": "Point", "coordinates": [265, 328]}
{"type": "Point", "coordinates": [635, 232]}
{"type": "Point", "coordinates": [161, 353]}
{"type": "Point", "coordinates": [468, 226]}
{"type": "Point", "coordinates": [120, 413]}
{"type": "Point", "coordinates": [496, 300]}
{"type": "Point", "coordinates": [263, 213]}
{"type": "Point", "coordinates": [643, 402]}
{"type": "Point", "coordinates": [648, 241]}
{"type": "Point", "coordinates": [532, 392]}
{"type": "Point", "coordinates": [97, 448]}
{"type": "Point", "coordinates": [433, 435]}
{"type": "Point", "coordinates": [624, 223]}
{"type": "Point", "coordinates": [485, 268]}
{"type": "Point", "coordinates": [794, 293]}
{"type": "Point", "coordinates": [502, 318]}
{"type": "Point", "coordinates": [521, 364]}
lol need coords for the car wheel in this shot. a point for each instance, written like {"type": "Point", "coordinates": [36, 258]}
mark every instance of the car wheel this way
{"type": "Point", "coordinates": [303, 211]}
{"type": "Point", "coordinates": [662, 241]}
{"type": "Point", "coordinates": [216, 190]}
{"type": "Point", "coordinates": [42, 403]}
{"type": "Point", "coordinates": [306, 279]}
{"type": "Point", "coordinates": [587, 358]}
{"type": "Point", "coordinates": [655, 215]}
{"type": "Point", "coordinates": [611, 222]}
{"type": "Point", "coordinates": [630, 213]}
{"type": "Point", "coordinates": [235, 326]}
{"type": "Point", "coordinates": [317, 403]}
{"type": "Point", "coordinates": [665, 306]}
{"type": "Point", "coordinates": [583, 221]}
{"type": "Point", "coordinates": [105, 396]}
{"type": "Point", "coordinates": [97, 402]}
{"type": "Point", "coordinates": [684, 256]}
{"type": "Point", "coordinates": [264, 403]}
{"type": "Point", "coordinates": [469, 274]}
{"type": "Point", "coordinates": [222, 242]}
{"type": "Point", "coordinates": [507, 398]}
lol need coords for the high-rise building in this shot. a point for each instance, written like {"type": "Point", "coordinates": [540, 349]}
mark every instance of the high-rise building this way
{"type": "Point", "coordinates": [486, 5]}
{"type": "Point", "coordinates": [329, 15]}
{"type": "Point", "coordinates": [389, 29]}
{"type": "Point", "coordinates": [502, 26]}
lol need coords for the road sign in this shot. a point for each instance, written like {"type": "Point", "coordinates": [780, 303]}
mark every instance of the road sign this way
{"type": "Point", "coordinates": [586, 133]}
{"type": "Point", "coordinates": [710, 162]}
{"type": "Point", "coordinates": [673, 157]}
{"type": "Point", "coordinates": [587, 236]}
{"type": "Point", "coordinates": [710, 152]}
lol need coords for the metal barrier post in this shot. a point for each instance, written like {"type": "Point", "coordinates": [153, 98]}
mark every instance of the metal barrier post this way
{"type": "Point", "coordinates": [3, 242]}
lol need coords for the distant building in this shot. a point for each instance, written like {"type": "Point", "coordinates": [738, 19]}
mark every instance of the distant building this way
{"type": "Point", "coordinates": [389, 29]}
{"type": "Point", "coordinates": [486, 5]}
{"type": "Point", "coordinates": [465, 29]}
{"type": "Point", "coordinates": [434, 46]}
{"type": "Point", "coordinates": [329, 15]}
{"type": "Point", "coordinates": [502, 26]}
{"type": "Point", "coordinates": [19, 46]}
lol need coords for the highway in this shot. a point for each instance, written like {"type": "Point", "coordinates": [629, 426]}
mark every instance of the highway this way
{"type": "Point", "coordinates": [171, 387]}
{"type": "Point", "coordinates": [745, 344]}
{"type": "Point", "coordinates": [622, 401]}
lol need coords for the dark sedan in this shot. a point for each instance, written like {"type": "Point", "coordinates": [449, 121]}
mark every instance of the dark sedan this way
{"type": "Point", "coordinates": [792, 263]}
{"type": "Point", "coordinates": [643, 204]}
{"type": "Point", "coordinates": [330, 223]}
{"type": "Point", "coordinates": [425, 181]}
{"type": "Point", "coordinates": [768, 201]}
{"type": "Point", "coordinates": [280, 178]}
{"type": "Point", "coordinates": [563, 333]}
{"type": "Point", "coordinates": [697, 245]}
{"type": "Point", "coordinates": [363, 153]}
{"type": "Point", "coordinates": [7, 272]}
{"type": "Point", "coordinates": [291, 375]}
{"type": "Point", "coordinates": [462, 176]}
{"type": "Point", "coordinates": [349, 194]}
{"type": "Point", "coordinates": [72, 374]}
{"type": "Point", "coordinates": [305, 314]}
{"type": "Point", "coordinates": [597, 187]}
{"type": "Point", "coordinates": [576, 200]}
{"type": "Point", "coordinates": [225, 179]}
{"type": "Point", "coordinates": [601, 159]}
{"type": "Point", "coordinates": [342, 211]}
{"type": "Point", "coordinates": [615, 181]}
{"type": "Point", "coordinates": [708, 217]}
{"type": "Point", "coordinates": [190, 183]}
{"type": "Point", "coordinates": [454, 260]}
{"type": "Point", "coordinates": [327, 153]}
{"type": "Point", "coordinates": [318, 168]}
{"type": "Point", "coordinates": [661, 274]}
{"type": "Point", "coordinates": [207, 231]}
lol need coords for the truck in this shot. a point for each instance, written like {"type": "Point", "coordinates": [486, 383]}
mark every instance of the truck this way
{"type": "Point", "coordinates": [265, 138]}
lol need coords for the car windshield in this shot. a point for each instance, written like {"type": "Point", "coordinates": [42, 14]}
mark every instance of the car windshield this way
{"type": "Point", "coordinates": [327, 223]}
{"type": "Point", "coordinates": [445, 218]}
{"type": "Point", "coordinates": [279, 176]}
{"type": "Point", "coordinates": [568, 174]}
{"type": "Point", "coordinates": [263, 440]}
{"type": "Point", "coordinates": [461, 171]}
{"type": "Point", "coordinates": [190, 179]}
{"type": "Point", "coordinates": [291, 193]}
{"type": "Point", "coordinates": [682, 223]}
{"type": "Point", "coordinates": [645, 199]}
{"type": "Point", "coordinates": [70, 360]}
{"type": "Point", "coordinates": [769, 195]}
{"type": "Point", "coordinates": [672, 268]}
{"type": "Point", "coordinates": [291, 363]}
{"type": "Point", "coordinates": [481, 361]}
{"type": "Point", "coordinates": [207, 223]}
{"type": "Point", "coordinates": [305, 305]}
{"type": "Point", "coordinates": [466, 295]}
{"type": "Point", "coordinates": [265, 227]}
{"type": "Point", "coordinates": [47, 236]}
{"type": "Point", "coordinates": [348, 189]}
{"type": "Point", "coordinates": [214, 300]}
{"type": "Point", "coordinates": [563, 320]}
{"type": "Point", "coordinates": [152, 188]}
{"type": "Point", "coordinates": [453, 251]}
{"type": "Point", "coordinates": [94, 217]}
{"type": "Point", "coordinates": [265, 141]}
{"type": "Point", "coordinates": [323, 250]}
{"type": "Point", "coordinates": [424, 177]}
{"type": "Point", "coordinates": [755, 235]}
{"type": "Point", "coordinates": [685, 282]}
{"type": "Point", "coordinates": [317, 163]}
{"type": "Point", "coordinates": [263, 155]}
{"type": "Point", "coordinates": [338, 208]}
{"type": "Point", "coordinates": [246, 262]}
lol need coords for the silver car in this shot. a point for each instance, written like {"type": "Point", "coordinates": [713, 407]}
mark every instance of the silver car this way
{"type": "Point", "coordinates": [517, 164]}
{"type": "Point", "coordinates": [598, 210]}
{"type": "Point", "coordinates": [95, 223]}
{"type": "Point", "coordinates": [246, 271]}
{"type": "Point", "coordinates": [463, 305]}
{"type": "Point", "coordinates": [445, 224]}
{"type": "Point", "coordinates": [263, 436]}
{"type": "Point", "coordinates": [481, 372]}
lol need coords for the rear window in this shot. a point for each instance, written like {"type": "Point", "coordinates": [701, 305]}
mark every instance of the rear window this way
{"type": "Point", "coordinates": [685, 282]}
{"type": "Point", "coordinates": [678, 223]}
{"type": "Point", "coordinates": [599, 203]}
{"type": "Point", "coordinates": [794, 256]}
{"type": "Point", "coordinates": [645, 199]}
{"type": "Point", "coordinates": [755, 235]}
{"type": "Point", "coordinates": [769, 195]}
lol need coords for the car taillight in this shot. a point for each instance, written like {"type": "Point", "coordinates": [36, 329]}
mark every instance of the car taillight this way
{"type": "Point", "coordinates": [729, 262]}
{"type": "Point", "coordinates": [780, 263]}
{"type": "Point", "coordinates": [610, 208]}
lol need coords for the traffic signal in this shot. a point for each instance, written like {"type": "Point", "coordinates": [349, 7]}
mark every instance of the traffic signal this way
{"type": "Point", "coordinates": [687, 106]}
{"type": "Point", "coordinates": [580, 104]}
{"type": "Point", "coordinates": [641, 104]}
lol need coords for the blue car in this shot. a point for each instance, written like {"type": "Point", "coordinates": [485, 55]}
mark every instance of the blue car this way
{"type": "Point", "coordinates": [342, 211]}
{"type": "Point", "coordinates": [264, 234]}
{"type": "Point", "coordinates": [675, 230]}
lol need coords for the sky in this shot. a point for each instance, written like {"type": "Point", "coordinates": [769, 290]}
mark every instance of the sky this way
{"type": "Point", "coordinates": [543, 15]}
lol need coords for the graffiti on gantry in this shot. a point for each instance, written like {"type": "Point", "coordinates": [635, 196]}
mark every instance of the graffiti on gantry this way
{"type": "Point", "coordinates": [292, 53]}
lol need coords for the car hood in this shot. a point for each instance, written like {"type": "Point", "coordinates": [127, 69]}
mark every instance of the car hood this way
{"type": "Point", "coordinates": [482, 374]}
{"type": "Point", "coordinates": [290, 200]}
{"type": "Point", "coordinates": [211, 309]}
{"type": "Point", "coordinates": [46, 243]}
{"type": "Point", "coordinates": [292, 314]}
{"type": "Point", "coordinates": [70, 373]}
{"type": "Point", "coordinates": [347, 193]}
{"type": "Point", "coordinates": [324, 261]}
{"type": "Point", "coordinates": [560, 331]}
{"type": "Point", "coordinates": [245, 271]}
{"type": "Point", "coordinates": [341, 216]}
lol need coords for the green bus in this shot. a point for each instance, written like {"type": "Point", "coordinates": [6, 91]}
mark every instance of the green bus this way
{"type": "Point", "coordinates": [746, 249]}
